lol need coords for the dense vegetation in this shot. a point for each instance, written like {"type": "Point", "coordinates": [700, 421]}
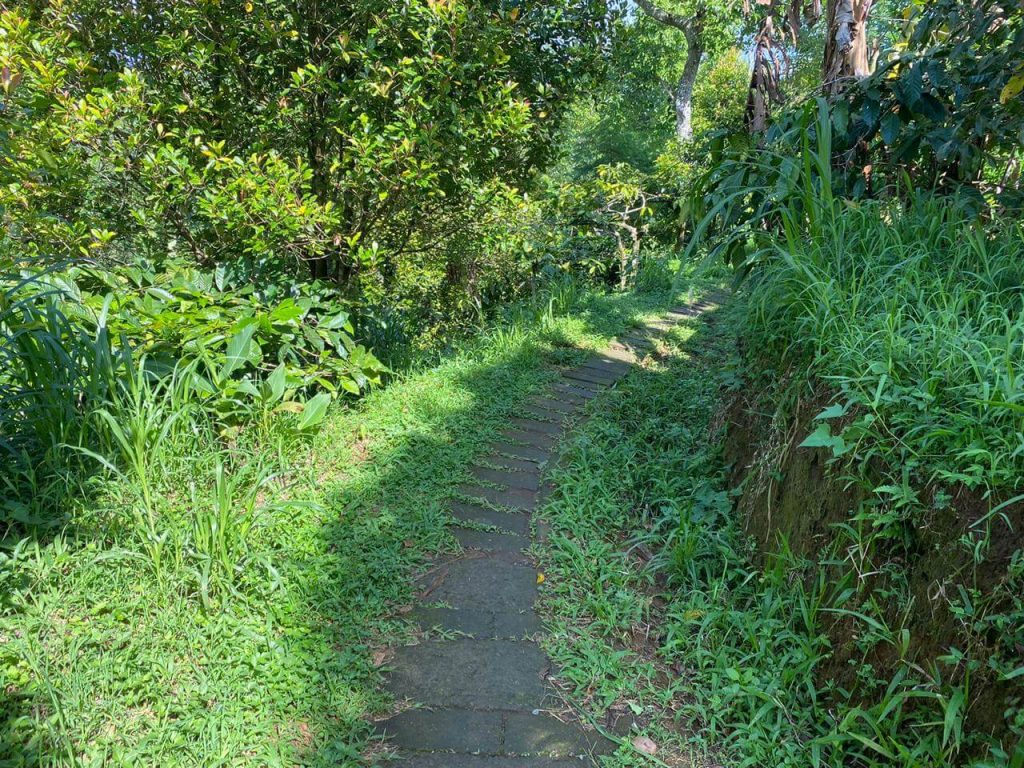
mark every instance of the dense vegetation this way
{"type": "Point", "coordinates": [876, 241]}
{"type": "Point", "coordinates": [270, 273]}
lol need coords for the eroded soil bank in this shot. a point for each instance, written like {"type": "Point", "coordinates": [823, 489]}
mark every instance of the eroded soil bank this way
{"type": "Point", "coordinates": [952, 563]}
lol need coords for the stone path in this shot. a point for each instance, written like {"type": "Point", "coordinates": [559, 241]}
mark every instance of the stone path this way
{"type": "Point", "coordinates": [476, 688]}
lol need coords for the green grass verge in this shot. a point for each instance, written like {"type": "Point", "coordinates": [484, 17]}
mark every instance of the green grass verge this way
{"type": "Point", "coordinates": [642, 463]}
{"type": "Point", "coordinates": [659, 615]}
{"type": "Point", "coordinates": [107, 659]}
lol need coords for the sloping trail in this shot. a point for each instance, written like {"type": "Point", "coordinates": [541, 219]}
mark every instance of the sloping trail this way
{"type": "Point", "coordinates": [474, 691]}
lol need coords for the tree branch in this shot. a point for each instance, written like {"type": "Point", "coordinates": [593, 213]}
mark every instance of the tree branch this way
{"type": "Point", "coordinates": [682, 23]}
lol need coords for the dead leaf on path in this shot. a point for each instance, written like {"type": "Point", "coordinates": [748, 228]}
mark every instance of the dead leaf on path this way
{"type": "Point", "coordinates": [645, 745]}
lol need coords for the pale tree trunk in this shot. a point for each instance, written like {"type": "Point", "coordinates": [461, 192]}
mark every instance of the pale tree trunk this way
{"type": "Point", "coordinates": [692, 28]}
{"type": "Point", "coordinates": [846, 44]}
{"type": "Point", "coordinates": [629, 258]}
{"type": "Point", "coordinates": [684, 91]}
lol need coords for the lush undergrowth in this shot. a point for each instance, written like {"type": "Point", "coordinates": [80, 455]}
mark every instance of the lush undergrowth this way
{"type": "Point", "coordinates": [662, 613]}
{"type": "Point", "coordinates": [914, 318]}
{"type": "Point", "coordinates": [214, 598]}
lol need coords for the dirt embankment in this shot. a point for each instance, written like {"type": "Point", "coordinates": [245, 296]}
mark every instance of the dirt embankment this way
{"type": "Point", "coordinates": [795, 497]}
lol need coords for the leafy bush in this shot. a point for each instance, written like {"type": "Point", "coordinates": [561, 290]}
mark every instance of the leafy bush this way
{"type": "Point", "coordinates": [911, 312]}
{"type": "Point", "coordinates": [81, 367]}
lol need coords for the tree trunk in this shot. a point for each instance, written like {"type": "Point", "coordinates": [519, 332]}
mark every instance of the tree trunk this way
{"type": "Point", "coordinates": [846, 44]}
{"type": "Point", "coordinates": [684, 91]}
{"type": "Point", "coordinates": [764, 79]}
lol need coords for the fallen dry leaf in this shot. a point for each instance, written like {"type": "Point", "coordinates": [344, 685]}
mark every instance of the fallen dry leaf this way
{"type": "Point", "coordinates": [645, 745]}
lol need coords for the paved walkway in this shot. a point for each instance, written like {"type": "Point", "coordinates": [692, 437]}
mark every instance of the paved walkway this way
{"type": "Point", "coordinates": [477, 688]}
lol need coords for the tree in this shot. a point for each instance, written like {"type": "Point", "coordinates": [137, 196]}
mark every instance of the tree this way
{"type": "Point", "coordinates": [705, 26]}
{"type": "Point", "coordinates": [377, 128]}
{"type": "Point", "coordinates": [846, 44]}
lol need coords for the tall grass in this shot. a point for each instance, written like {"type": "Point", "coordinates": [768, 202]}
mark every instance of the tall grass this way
{"type": "Point", "coordinates": [911, 308]}
{"type": "Point", "coordinates": [741, 650]}
{"type": "Point", "coordinates": [915, 317]}
{"type": "Point", "coordinates": [52, 377]}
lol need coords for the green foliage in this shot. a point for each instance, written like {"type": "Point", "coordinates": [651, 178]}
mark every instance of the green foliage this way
{"type": "Point", "coordinates": [626, 117]}
{"type": "Point", "coordinates": [658, 608]}
{"type": "Point", "coordinates": [943, 109]}
{"type": "Point", "coordinates": [720, 95]}
{"type": "Point", "coordinates": [232, 193]}
{"type": "Point", "coordinates": [910, 312]}
{"type": "Point", "coordinates": [249, 134]}
{"type": "Point", "coordinates": [263, 553]}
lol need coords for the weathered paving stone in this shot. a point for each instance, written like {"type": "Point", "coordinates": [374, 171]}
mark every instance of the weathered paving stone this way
{"type": "Point", "coordinates": [591, 376]}
{"type": "Point", "coordinates": [441, 760]}
{"type": "Point", "coordinates": [490, 541]}
{"type": "Point", "coordinates": [529, 734]}
{"type": "Point", "coordinates": [573, 400]}
{"type": "Point", "coordinates": [608, 365]}
{"type": "Point", "coordinates": [509, 463]}
{"type": "Point", "coordinates": [478, 623]}
{"type": "Point", "coordinates": [512, 498]}
{"type": "Point", "coordinates": [519, 625]}
{"type": "Point", "coordinates": [447, 729]}
{"type": "Point", "coordinates": [637, 341]}
{"type": "Point", "coordinates": [470, 674]}
{"type": "Point", "coordinates": [555, 405]}
{"type": "Point", "coordinates": [528, 480]}
{"type": "Point", "coordinates": [508, 521]}
{"type": "Point", "coordinates": [533, 425]}
{"type": "Point", "coordinates": [621, 352]}
{"type": "Point", "coordinates": [535, 453]}
{"type": "Point", "coordinates": [580, 379]}
{"type": "Point", "coordinates": [542, 414]}
{"type": "Point", "coordinates": [535, 439]}
{"type": "Point", "coordinates": [683, 312]}
{"type": "Point", "coordinates": [481, 583]}
{"type": "Point", "coordinates": [567, 388]}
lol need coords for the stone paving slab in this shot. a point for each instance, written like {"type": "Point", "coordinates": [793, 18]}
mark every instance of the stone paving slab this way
{"type": "Point", "coordinates": [439, 760]}
{"type": "Point", "coordinates": [462, 730]}
{"type": "Point", "coordinates": [642, 342]}
{"type": "Point", "coordinates": [508, 463]}
{"type": "Point", "coordinates": [529, 452]}
{"type": "Point", "coordinates": [583, 376]}
{"type": "Point", "coordinates": [467, 621]}
{"type": "Point", "coordinates": [508, 521]}
{"type": "Point", "coordinates": [512, 498]}
{"type": "Point", "coordinates": [531, 439]}
{"type": "Point", "coordinates": [483, 583]}
{"type": "Point", "coordinates": [607, 365]}
{"type": "Point", "coordinates": [519, 625]}
{"type": "Point", "coordinates": [541, 734]}
{"type": "Point", "coordinates": [490, 541]}
{"type": "Point", "coordinates": [527, 480]}
{"type": "Point", "coordinates": [536, 425]}
{"type": "Point", "coordinates": [552, 404]}
{"type": "Point", "coordinates": [575, 389]}
{"type": "Point", "coordinates": [536, 413]}
{"type": "Point", "coordinates": [470, 674]}
{"type": "Point", "coordinates": [481, 624]}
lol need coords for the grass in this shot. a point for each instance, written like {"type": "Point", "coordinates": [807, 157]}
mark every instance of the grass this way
{"type": "Point", "coordinates": [660, 614]}
{"type": "Point", "coordinates": [216, 598]}
{"type": "Point", "coordinates": [914, 318]}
